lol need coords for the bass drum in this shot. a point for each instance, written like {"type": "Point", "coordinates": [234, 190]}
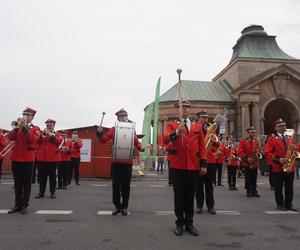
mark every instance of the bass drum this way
{"type": "Point", "coordinates": [123, 141]}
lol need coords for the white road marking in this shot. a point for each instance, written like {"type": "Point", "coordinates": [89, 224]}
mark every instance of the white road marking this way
{"type": "Point", "coordinates": [132, 185]}
{"type": "Point", "coordinates": [158, 186]}
{"type": "Point", "coordinates": [60, 212]}
{"type": "Point", "coordinates": [229, 212]}
{"type": "Point", "coordinates": [280, 212]}
{"type": "Point", "coordinates": [99, 185]}
{"type": "Point", "coordinates": [101, 212]}
{"type": "Point", "coordinates": [164, 212]}
{"type": "Point", "coordinates": [7, 183]}
{"type": "Point", "coordinates": [151, 174]}
{"type": "Point", "coordinates": [3, 211]}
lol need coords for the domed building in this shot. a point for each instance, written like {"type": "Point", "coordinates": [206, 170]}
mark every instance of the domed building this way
{"type": "Point", "coordinates": [260, 84]}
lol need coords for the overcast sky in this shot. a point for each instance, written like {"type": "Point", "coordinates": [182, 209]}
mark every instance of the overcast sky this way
{"type": "Point", "coordinates": [73, 59]}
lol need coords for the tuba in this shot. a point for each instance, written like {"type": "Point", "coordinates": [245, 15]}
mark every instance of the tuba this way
{"type": "Point", "coordinates": [291, 154]}
{"type": "Point", "coordinates": [211, 137]}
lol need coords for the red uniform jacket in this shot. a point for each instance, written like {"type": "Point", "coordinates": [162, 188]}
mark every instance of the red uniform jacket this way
{"type": "Point", "coordinates": [110, 136]}
{"type": "Point", "coordinates": [275, 149]}
{"type": "Point", "coordinates": [246, 150]}
{"type": "Point", "coordinates": [3, 143]}
{"type": "Point", "coordinates": [49, 148]}
{"type": "Point", "coordinates": [76, 146]}
{"type": "Point", "coordinates": [234, 162]}
{"type": "Point", "coordinates": [25, 143]}
{"type": "Point", "coordinates": [186, 149]}
{"type": "Point", "coordinates": [65, 150]}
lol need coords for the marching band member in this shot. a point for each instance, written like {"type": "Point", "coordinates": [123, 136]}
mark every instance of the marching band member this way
{"type": "Point", "coordinates": [49, 158]}
{"type": "Point", "coordinates": [249, 151]}
{"type": "Point", "coordinates": [220, 157]}
{"type": "Point", "coordinates": [64, 168]}
{"type": "Point", "coordinates": [188, 159]}
{"type": "Point", "coordinates": [121, 170]}
{"type": "Point", "coordinates": [25, 135]}
{"type": "Point", "coordinates": [231, 154]}
{"type": "Point", "coordinates": [276, 149]}
{"type": "Point", "coordinates": [75, 158]}
{"type": "Point", "coordinates": [3, 143]}
{"type": "Point", "coordinates": [205, 187]}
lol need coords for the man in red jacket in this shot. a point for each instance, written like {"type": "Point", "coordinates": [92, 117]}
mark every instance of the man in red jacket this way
{"type": "Point", "coordinates": [247, 150]}
{"type": "Point", "coordinates": [275, 151]}
{"type": "Point", "coordinates": [187, 161]}
{"type": "Point", "coordinates": [64, 166]}
{"type": "Point", "coordinates": [121, 170]}
{"type": "Point", "coordinates": [231, 155]}
{"type": "Point", "coordinates": [25, 135]}
{"type": "Point", "coordinates": [75, 158]}
{"type": "Point", "coordinates": [205, 187]}
{"type": "Point", "coordinates": [49, 158]}
{"type": "Point", "coordinates": [3, 144]}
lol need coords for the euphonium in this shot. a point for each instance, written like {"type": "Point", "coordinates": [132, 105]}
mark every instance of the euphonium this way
{"type": "Point", "coordinates": [291, 155]}
{"type": "Point", "coordinates": [211, 137]}
{"type": "Point", "coordinates": [256, 155]}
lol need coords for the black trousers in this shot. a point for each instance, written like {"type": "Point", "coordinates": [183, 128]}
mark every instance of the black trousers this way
{"type": "Point", "coordinates": [74, 169]}
{"type": "Point", "coordinates": [184, 186]}
{"type": "Point", "coordinates": [205, 182]}
{"type": "Point", "coordinates": [271, 176]}
{"type": "Point", "coordinates": [121, 178]}
{"type": "Point", "coordinates": [22, 172]}
{"type": "Point", "coordinates": [63, 173]}
{"type": "Point", "coordinates": [48, 169]}
{"type": "Point", "coordinates": [250, 180]}
{"type": "Point", "coordinates": [286, 180]}
{"type": "Point", "coordinates": [231, 170]}
{"type": "Point", "coordinates": [219, 169]}
{"type": "Point", "coordinates": [169, 174]}
{"type": "Point", "coordinates": [35, 172]}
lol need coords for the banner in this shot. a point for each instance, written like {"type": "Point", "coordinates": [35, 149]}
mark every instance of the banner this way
{"type": "Point", "coordinates": [85, 151]}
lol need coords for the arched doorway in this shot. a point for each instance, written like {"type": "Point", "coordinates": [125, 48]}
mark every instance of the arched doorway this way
{"type": "Point", "coordinates": [279, 108]}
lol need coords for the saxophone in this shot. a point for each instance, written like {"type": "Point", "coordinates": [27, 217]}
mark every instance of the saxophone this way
{"type": "Point", "coordinates": [256, 155]}
{"type": "Point", "coordinates": [291, 154]}
{"type": "Point", "coordinates": [211, 137]}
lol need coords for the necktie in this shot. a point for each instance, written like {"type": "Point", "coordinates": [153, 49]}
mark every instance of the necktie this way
{"type": "Point", "coordinates": [185, 124]}
{"type": "Point", "coordinates": [283, 139]}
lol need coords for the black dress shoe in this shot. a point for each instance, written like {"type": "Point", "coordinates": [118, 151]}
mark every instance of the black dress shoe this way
{"type": "Point", "coordinates": [221, 185]}
{"type": "Point", "coordinates": [282, 208]}
{"type": "Point", "coordinates": [212, 210]}
{"type": "Point", "coordinates": [192, 230]}
{"type": "Point", "coordinates": [179, 230]}
{"type": "Point", "coordinates": [256, 195]}
{"type": "Point", "coordinates": [59, 187]}
{"type": "Point", "coordinates": [52, 196]}
{"type": "Point", "coordinates": [64, 187]}
{"type": "Point", "coordinates": [39, 196]}
{"type": "Point", "coordinates": [124, 211]}
{"type": "Point", "coordinates": [199, 210]}
{"type": "Point", "coordinates": [14, 210]}
{"type": "Point", "coordinates": [77, 183]}
{"type": "Point", "coordinates": [292, 208]}
{"type": "Point", "coordinates": [235, 189]}
{"type": "Point", "coordinates": [23, 210]}
{"type": "Point", "coordinates": [116, 211]}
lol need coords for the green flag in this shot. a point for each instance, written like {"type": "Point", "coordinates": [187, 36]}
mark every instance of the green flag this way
{"type": "Point", "coordinates": [155, 120]}
{"type": "Point", "coordinates": [146, 140]}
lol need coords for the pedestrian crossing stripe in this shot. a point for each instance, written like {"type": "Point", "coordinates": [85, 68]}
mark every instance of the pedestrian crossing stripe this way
{"type": "Point", "coordinates": [280, 212]}
{"type": "Point", "coordinates": [7, 183]}
{"type": "Point", "coordinates": [230, 212]}
{"type": "Point", "coordinates": [157, 185]}
{"type": "Point", "coordinates": [99, 185]}
{"type": "Point", "coordinates": [55, 212]}
{"type": "Point", "coordinates": [164, 212]}
{"type": "Point", "coordinates": [101, 212]}
{"type": "Point", "coordinates": [3, 211]}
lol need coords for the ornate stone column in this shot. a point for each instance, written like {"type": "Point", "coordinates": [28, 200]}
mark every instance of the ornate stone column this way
{"type": "Point", "coordinates": [256, 118]}
{"type": "Point", "coordinates": [245, 118]}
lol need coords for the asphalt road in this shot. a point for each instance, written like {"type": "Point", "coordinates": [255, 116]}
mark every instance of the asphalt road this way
{"type": "Point", "coordinates": [82, 219]}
